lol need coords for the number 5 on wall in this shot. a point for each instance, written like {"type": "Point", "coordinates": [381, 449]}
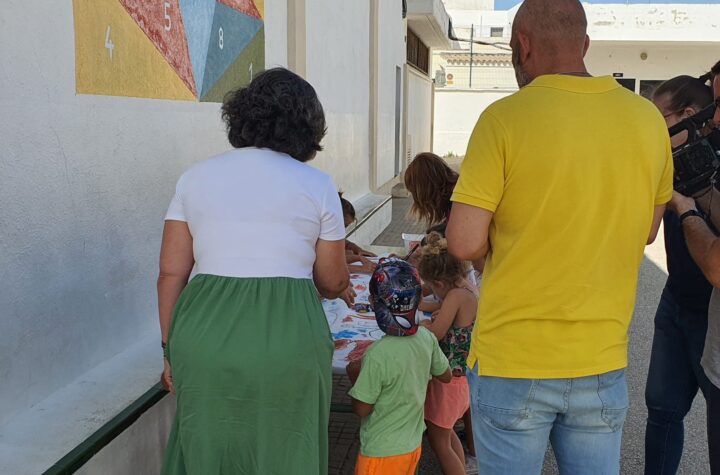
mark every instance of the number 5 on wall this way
{"type": "Point", "coordinates": [168, 22]}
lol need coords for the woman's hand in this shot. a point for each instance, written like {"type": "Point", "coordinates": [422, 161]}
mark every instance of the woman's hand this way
{"type": "Point", "coordinates": [365, 253]}
{"type": "Point", "coordinates": [166, 378]}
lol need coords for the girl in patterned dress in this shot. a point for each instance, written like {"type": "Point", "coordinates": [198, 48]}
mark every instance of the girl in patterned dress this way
{"type": "Point", "coordinates": [452, 324]}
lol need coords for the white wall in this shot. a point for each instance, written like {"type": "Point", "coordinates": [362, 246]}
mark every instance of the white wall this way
{"type": "Point", "coordinates": [392, 52]}
{"type": "Point", "coordinates": [84, 181]}
{"type": "Point", "coordinates": [140, 449]}
{"type": "Point", "coordinates": [456, 112]}
{"type": "Point", "coordinates": [342, 82]}
{"type": "Point", "coordinates": [469, 4]}
{"type": "Point", "coordinates": [419, 113]}
{"type": "Point", "coordinates": [664, 60]}
{"type": "Point", "coordinates": [654, 22]}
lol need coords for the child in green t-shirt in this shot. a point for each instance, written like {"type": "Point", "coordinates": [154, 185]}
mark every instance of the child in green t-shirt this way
{"type": "Point", "coordinates": [390, 383]}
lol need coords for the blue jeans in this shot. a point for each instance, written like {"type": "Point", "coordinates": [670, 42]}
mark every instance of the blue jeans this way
{"type": "Point", "coordinates": [513, 420]}
{"type": "Point", "coordinates": [673, 380]}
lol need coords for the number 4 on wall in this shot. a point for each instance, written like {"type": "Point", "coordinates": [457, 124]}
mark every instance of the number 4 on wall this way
{"type": "Point", "coordinates": [108, 43]}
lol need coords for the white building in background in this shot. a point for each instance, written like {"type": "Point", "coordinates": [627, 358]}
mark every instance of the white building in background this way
{"type": "Point", "coordinates": [640, 44]}
{"type": "Point", "coordinates": [86, 178]}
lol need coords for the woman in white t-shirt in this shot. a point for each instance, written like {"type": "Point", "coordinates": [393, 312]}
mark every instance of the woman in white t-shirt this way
{"type": "Point", "coordinates": [247, 347]}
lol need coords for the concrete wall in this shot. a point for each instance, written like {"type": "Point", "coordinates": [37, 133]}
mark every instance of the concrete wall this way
{"type": "Point", "coordinates": [85, 181]}
{"type": "Point", "coordinates": [342, 82]}
{"type": "Point", "coordinates": [456, 112]}
{"type": "Point", "coordinates": [469, 4]}
{"type": "Point", "coordinates": [391, 56]}
{"type": "Point", "coordinates": [140, 449]}
{"type": "Point", "coordinates": [658, 22]}
{"type": "Point", "coordinates": [663, 60]}
{"type": "Point", "coordinates": [419, 113]}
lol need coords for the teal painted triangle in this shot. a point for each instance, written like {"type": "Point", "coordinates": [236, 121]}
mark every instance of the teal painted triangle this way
{"type": "Point", "coordinates": [250, 62]}
{"type": "Point", "coordinates": [231, 32]}
{"type": "Point", "coordinates": [198, 19]}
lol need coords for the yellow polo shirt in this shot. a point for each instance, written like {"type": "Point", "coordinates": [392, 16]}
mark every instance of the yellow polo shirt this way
{"type": "Point", "coordinates": [572, 167]}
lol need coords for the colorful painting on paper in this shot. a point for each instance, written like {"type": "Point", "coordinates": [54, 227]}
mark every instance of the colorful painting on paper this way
{"type": "Point", "coordinates": [194, 50]}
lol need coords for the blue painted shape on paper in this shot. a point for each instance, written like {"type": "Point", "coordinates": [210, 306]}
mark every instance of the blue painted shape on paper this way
{"type": "Point", "coordinates": [344, 335]}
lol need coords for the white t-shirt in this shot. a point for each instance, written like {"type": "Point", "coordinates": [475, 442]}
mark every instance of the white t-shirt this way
{"type": "Point", "coordinates": [257, 213]}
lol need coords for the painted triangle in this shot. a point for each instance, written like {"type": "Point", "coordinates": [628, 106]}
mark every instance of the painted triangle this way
{"type": "Point", "coordinates": [246, 7]}
{"type": "Point", "coordinates": [250, 62]}
{"type": "Point", "coordinates": [198, 20]}
{"type": "Point", "coordinates": [114, 57]}
{"type": "Point", "coordinates": [231, 32]}
{"type": "Point", "coordinates": [162, 22]}
{"type": "Point", "coordinates": [260, 5]}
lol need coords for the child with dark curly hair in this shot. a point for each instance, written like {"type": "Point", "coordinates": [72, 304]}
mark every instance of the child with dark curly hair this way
{"type": "Point", "coordinates": [355, 255]}
{"type": "Point", "coordinates": [452, 324]}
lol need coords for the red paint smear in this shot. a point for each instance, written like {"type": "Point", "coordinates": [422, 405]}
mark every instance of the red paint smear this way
{"type": "Point", "coordinates": [341, 344]}
{"type": "Point", "coordinates": [365, 316]}
{"type": "Point", "coordinates": [150, 17]}
{"type": "Point", "coordinates": [347, 319]}
{"type": "Point", "coordinates": [361, 287]}
{"type": "Point", "coordinates": [359, 350]}
{"type": "Point", "coordinates": [246, 7]}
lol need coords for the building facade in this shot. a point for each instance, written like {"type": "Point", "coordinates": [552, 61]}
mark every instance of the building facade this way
{"type": "Point", "coordinates": [103, 108]}
{"type": "Point", "coordinates": [640, 44]}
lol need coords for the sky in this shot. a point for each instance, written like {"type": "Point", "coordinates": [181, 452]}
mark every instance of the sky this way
{"type": "Point", "coordinates": [507, 4]}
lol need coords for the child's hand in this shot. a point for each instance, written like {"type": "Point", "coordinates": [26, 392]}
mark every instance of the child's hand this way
{"type": "Point", "coordinates": [365, 253]}
{"type": "Point", "coordinates": [425, 323]}
{"type": "Point", "coordinates": [366, 265]}
{"type": "Point", "coordinates": [349, 296]}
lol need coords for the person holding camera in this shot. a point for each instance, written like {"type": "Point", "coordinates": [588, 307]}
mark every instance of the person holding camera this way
{"type": "Point", "coordinates": [675, 374]}
{"type": "Point", "coordinates": [701, 235]}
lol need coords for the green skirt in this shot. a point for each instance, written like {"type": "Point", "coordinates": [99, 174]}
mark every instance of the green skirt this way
{"type": "Point", "coordinates": [251, 361]}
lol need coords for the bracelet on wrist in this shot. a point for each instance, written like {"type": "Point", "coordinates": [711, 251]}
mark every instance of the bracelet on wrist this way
{"type": "Point", "coordinates": [690, 213]}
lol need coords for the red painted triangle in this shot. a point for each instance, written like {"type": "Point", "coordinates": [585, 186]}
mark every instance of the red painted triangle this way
{"type": "Point", "coordinates": [246, 7]}
{"type": "Point", "coordinates": [162, 22]}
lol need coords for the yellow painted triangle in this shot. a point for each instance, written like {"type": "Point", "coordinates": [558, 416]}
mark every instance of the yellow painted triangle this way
{"type": "Point", "coordinates": [114, 57]}
{"type": "Point", "coordinates": [260, 5]}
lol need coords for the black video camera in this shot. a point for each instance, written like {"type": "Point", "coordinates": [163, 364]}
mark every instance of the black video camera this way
{"type": "Point", "coordinates": [697, 161]}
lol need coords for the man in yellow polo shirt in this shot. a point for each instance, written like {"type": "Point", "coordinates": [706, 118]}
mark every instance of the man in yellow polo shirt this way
{"type": "Point", "coordinates": [562, 186]}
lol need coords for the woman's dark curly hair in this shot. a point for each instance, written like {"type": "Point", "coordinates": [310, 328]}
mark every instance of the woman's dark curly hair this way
{"type": "Point", "coordinates": [278, 110]}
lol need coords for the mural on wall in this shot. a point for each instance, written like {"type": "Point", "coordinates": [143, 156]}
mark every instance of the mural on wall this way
{"type": "Point", "coordinates": [167, 49]}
